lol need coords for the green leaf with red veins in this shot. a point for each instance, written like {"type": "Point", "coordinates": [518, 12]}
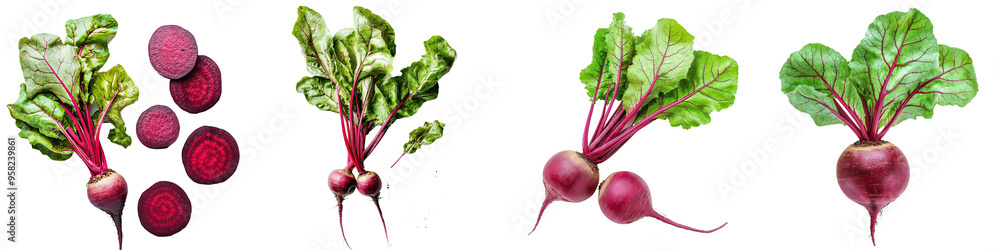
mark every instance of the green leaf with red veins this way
{"type": "Point", "coordinates": [613, 52]}
{"type": "Point", "coordinates": [50, 66]}
{"type": "Point", "coordinates": [419, 79]}
{"type": "Point", "coordinates": [114, 90]}
{"type": "Point", "coordinates": [314, 38]}
{"type": "Point", "coordinates": [91, 35]}
{"type": "Point", "coordinates": [663, 57]}
{"type": "Point", "coordinates": [39, 119]}
{"type": "Point", "coordinates": [897, 54]}
{"type": "Point", "coordinates": [710, 86]}
{"type": "Point", "coordinates": [955, 85]}
{"type": "Point", "coordinates": [423, 136]}
{"type": "Point", "coordinates": [815, 79]}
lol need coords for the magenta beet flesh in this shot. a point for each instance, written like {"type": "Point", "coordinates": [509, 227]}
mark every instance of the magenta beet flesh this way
{"type": "Point", "coordinates": [199, 90]}
{"type": "Point", "coordinates": [164, 209]}
{"type": "Point", "coordinates": [157, 127]}
{"type": "Point", "coordinates": [210, 155]}
{"type": "Point", "coordinates": [624, 198]}
{"type": "Point", "coordinates": [568, 176]}
{"type": "Point", "coordinates": [172, 51]}
{"type": "Point", "coordinates": [873, 174]}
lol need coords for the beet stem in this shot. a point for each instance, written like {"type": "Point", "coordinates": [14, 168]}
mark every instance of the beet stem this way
{"type": "Point", "coordinates": [549, 198]}
{"type": "Point", "coordinates": [672, 223]}
{"type": "Point", "coordinates": [117, 219]}
{"type": "Point", "coordinates": [340, 215]}
{"type": "Point", "coordinates": [386, 231]}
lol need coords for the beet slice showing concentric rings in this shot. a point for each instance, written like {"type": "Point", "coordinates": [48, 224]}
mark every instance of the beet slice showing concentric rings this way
{"type": "Point", "coordinates": [164, 209]}
{"type": "Point", "coordinates": [210, 155]}
{"type": "Point", "coordinates": [199, 90]}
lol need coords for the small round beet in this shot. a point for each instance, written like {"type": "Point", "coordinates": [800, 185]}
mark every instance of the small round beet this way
{"type": "Point", "coordinates": [210, 155]}
{"type": "Point", "coordinates": [164, 209]}
{"type": "Point", "coordinates": [157, 127]}
{"type": "Point", "coordinates": [199, 90]}
{"type": "Point", "coordinates": [172, 51]}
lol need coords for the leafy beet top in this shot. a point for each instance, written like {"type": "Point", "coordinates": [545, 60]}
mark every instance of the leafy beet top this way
{"type": "Point", "coordinates": [210, 155]}
{"type": "Point", "coordinates": [899, 71]}
{"type": "Point", "coordinates": [199, 90]}
{"type": "Point", "coordinates": [164, 209]}
{"type": "Point", "coordinates": [157, 127]}
{"type": "Point", "coordinates": [172, 51]}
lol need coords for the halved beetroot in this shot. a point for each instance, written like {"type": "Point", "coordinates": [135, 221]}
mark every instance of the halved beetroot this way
{"type": "Point", "coordinates": [164, 209]}
{"type": "Point", "coordinates": [157, 127]}
{"type": "Point", "coordinates": [199, 90]}
{"type": "Point", "coordinates": [210, 155]}
{"type": "Point", "coordinates": [172, 51]}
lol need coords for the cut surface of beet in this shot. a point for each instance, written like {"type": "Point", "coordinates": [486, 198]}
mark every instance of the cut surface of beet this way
{"type": "Point", "coordinates": [172, 51]}
{"type": "Point", "coordinates": [158, 127]}
{"type": "Point", "coordinates": [210, 155]}
{"type": "Point", "coordinates": [164, 209]}
{"type": "Point", "coordinates": [199, 90]}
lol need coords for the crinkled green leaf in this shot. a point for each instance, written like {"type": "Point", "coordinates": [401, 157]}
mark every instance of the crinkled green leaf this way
{"type": "Point", "coordinates": [898, 53]}
{"type": "Point", "coordinates": [55, 148]}
{"type": "Point", "coordinates": [91, 36]}
{"type": "Point", "coordinates": [424, 135]}
{"type": "Point", "coordinates": [319, 92]}
{"type": "Point", "coordinates": [49, 65]}
{"type": "Point", "coordinates": [420, 80]}
{"type": "Point", "coordinates": [663, 57]}
{"type": "Point", "coordinates": [955, 85]}
{"type": "Point", "coordinates": [613, 52]}
{"type": "Point", "coordinates": [367, 24]}
{"type": "Point", "coordinates": [115, 90]}
{"type": "Point", "coordinates": [710, 86]}
{"type": "Point", "coordinates": [39, 119]}
{"type": "Point", "coordinates": [814, 78]}
{"type": "Point", "coordinates": [315, 40]}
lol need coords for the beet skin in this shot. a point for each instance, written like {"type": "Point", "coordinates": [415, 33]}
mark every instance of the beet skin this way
{"type": "Point", "coordinates": [873, 174]}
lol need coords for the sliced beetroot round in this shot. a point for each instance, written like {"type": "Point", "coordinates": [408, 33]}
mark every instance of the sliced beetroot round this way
{"type": "Point", "coordinates": [210, 155]}
{"type": "Point", "coordinates": [199, 90]}
{"type": "Point", "coordinates": [158, 127]}
{"type": "Point", "coordinates": [164, 209]}
{"type": "Point", "coordinates": [172, 51]}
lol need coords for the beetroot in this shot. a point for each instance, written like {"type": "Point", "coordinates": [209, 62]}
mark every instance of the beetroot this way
{"type": "Point", "coordinates": [199, 90]}
{"type": "Point", "coordinates": [157, 127]}
{"type": "Point", "coordinates": [107, 191]}
{"type": "Point", "coordinates": [369, 184]}
{"type": "Point", "coordinates": [210, 155]}
{"type": "Point", "coordinates": [164, 209]}
{"type": "Point", "coordinates": [172, 51]}
{"type": "Point", "coordinates": [568, 176]}
{"type": "Point", "coordinates": [873, 174]}
{"type": "Point", "coordinates": [624, 198]}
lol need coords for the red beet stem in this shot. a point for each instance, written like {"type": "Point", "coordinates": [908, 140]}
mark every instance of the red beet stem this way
{"type": "Point", "coordinates": [340, 215]}
{"type": "Point", "coordinates": [375, 199]}
{"type": "Point", "coordinates": [549, 198]}
{"type": "Point", "coordinates": [672, 223]}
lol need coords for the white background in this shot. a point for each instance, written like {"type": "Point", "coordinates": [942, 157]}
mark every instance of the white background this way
{"type": "Point", "coordinates": [512, 100]}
